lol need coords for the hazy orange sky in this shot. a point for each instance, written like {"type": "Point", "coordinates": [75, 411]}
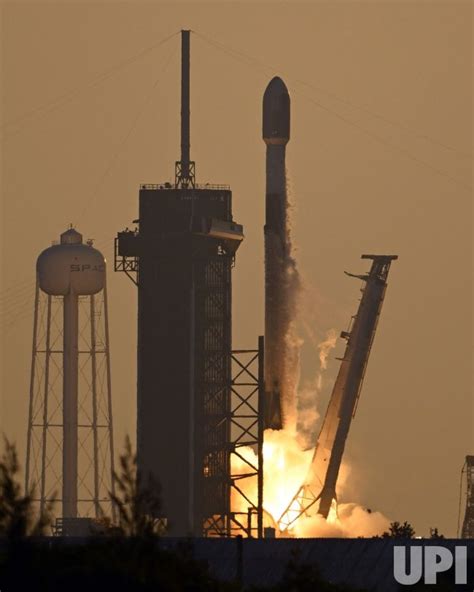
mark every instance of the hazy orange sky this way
{"type": "Point", "coordinates": [379, 161]}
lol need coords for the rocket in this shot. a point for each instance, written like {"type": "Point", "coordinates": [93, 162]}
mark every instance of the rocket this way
{"type": "Point", "coordinates": [279, 306]}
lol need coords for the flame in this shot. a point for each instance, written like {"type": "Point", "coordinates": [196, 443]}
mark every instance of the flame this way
{"type": "Point", "coordinates": [286, 455]}
{"type": "Point", "coordinates": [285, 466]}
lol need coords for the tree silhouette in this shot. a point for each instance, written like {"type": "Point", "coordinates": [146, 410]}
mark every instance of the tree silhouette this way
{"type": "Point", "coordinates": [138, 501]}
{"type": "Point", "coordinates": [435, 534]}
{"type": "Point", "coordinates": [399, 531]}
{"type": "Point", "coordinates": [18, 517]}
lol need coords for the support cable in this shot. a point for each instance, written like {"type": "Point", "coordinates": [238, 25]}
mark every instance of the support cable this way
{"type": "Point", "coordinates": [72, 94]}
{"type": "Point", "coordinates": [404, 152]}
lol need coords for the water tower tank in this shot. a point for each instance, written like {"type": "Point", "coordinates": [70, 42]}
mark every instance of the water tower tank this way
{"type": "Point", "coordinates": [71, 266]}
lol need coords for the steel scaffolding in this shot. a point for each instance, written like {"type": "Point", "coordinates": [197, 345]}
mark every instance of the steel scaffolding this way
{"type": "Point", "coordinates": [468, 523]}
{"type": "Point", "coordinates": [246, 447]}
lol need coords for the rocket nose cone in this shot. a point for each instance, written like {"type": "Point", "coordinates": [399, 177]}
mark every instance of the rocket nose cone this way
{"type": "Point", "coordinates": [276, 86]}
{"type": "Point", "coordinates": [276, 112]}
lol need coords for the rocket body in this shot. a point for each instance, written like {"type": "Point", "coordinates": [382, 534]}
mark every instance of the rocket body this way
{"type": "Point", "coordinates": [279, 265]}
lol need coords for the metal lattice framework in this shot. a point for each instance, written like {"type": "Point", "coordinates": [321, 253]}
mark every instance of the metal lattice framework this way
{"type": "Point", "coordinates": [126, 264]}
{"type": "Point", "coordinates": [44, 460]}
{"type": "Point", "coordinates": [247, 418]}
{"type": "Point", "coordinates": [228, 390]}
{"type": "Point", "coordinates": [468, 524]}
{"type": "Point", "coordinates": [246, 436]}
{"type": "Point", "coordinates": [212, 371]}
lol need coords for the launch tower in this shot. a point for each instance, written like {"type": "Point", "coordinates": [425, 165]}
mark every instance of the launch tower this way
{"type": "Point", "coordinates": [180, 257]}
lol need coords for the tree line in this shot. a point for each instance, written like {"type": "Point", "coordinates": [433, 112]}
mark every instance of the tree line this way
{"type": "Point", "coordinates": [126, 555]}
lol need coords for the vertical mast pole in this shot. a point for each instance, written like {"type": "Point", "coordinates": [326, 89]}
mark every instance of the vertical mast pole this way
{"type": "Point", "coordinates": [261, 427]}
{"type": "Point", "coordinates": [185, 109]}
{"type": "Point", "coordinates": [185, 168]}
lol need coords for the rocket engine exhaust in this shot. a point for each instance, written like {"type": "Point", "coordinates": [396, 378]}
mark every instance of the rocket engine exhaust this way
{"type": "Point", "coordinates": [280, 271]}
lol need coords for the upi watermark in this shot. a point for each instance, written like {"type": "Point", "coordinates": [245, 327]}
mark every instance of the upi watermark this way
{"type": "Point", "coordinates": [426, 562]}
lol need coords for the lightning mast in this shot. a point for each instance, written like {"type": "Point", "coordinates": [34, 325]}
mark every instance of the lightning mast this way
{"type": "Point", "coordinates": [320, 483]}
{"type": "Point", "coordinates": [468, 524]}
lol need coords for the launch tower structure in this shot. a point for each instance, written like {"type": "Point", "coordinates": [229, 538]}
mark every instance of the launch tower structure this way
{"type": "Point", "coordinates": [181, 257]}
{"type": "Point", "coordinates": [468, 524]}
{"type": "Point", "coordinates": [69, 457]}
{"type": "Point", "coordinates": [321, 480]}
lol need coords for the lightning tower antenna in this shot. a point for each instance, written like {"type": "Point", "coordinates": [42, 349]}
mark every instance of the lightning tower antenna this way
{"type": "Point", "coordinates": [468, 524]}
{"type": "Point", "coordinates": [185, 168]}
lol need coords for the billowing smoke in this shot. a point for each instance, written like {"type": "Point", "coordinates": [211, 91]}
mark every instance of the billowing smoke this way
{"type": "Point", "coordinates": [351, 521]}
{"type": "Point", "coordinates": [308, 394]}
{"type": "Point", "coordinates": [283, 290]}
{"type": "Point", "coordinates": [285, 468]}
{"type": "Point", "coordinates": [325, 347]}
{"type": "Point", "coordinates": [288, 452]}
{"type": "Point", "coordinates": [291, 305]}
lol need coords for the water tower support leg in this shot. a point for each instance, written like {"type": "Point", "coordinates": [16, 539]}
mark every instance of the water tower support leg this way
{"type": "Point", "coordinates": [70, 405]}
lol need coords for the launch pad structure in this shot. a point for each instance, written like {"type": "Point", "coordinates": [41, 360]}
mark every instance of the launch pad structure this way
{"type": "Point", "coordinates": [193, 411]}
{"type": "Point", "coordinates": [199, 402]}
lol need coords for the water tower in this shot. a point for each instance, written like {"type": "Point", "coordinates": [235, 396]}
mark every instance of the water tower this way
{"type": "Point", "coordinates": [70, 438]}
